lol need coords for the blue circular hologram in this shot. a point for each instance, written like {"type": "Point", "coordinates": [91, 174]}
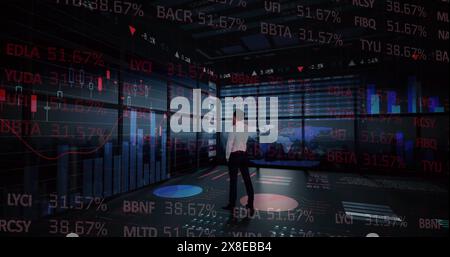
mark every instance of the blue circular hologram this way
{"type": "Point", "coordinates": [177, 191]}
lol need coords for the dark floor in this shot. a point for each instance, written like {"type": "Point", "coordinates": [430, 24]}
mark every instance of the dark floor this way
{"type": "Point", "coordinates": [329, 204]}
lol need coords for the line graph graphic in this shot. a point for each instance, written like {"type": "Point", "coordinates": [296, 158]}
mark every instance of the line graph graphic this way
{"type": "Point", "coordinates": [60, 155]}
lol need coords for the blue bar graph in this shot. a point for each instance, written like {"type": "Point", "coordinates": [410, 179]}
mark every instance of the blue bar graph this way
{"type": "Point", "coordinates": [400, 143]}
{"type": "Point", "coordinates": [110, 174]}
{"type": "Point", "coordinates": [439, 109]}
{"type": "Point", "coordinates": [163, 155]}
{"type": "Point", "coordinates": [140, 155]}
{"type": "Point", "coordinates": [412, 94]}
{"type": "Point", "coordinates": [433, 103]}
{"type": "Point", "coordinates": [125, 167]}
{"type": "Point", "coordinates": [98, 177]}
{"type": "Point", "coordinates": [152, 148]}
{"type": "Point", "coordinates": [87, 177]}
{"type": "Point", "coordinates": [409, 151]}
{"type": "Point", "coordinates": [132, 166]}
{"type": "Point", "coordinates": [391, 101]}
{"type": "Point", "coordinates": [146, 174]}
{"type": "Point", "coordinates": [370, 92]}
{"type": "Point", "coordinates": [133, 147]}
{"type": "Point", "coordinates": [133, 127]}
{"type": "Point", "coordinates": [415, 102]}
{"type": "Point", "coordinates": [375, 104]}
{"type": "Point", "coordinates": [396, 109]}
{"type": "Point", "coordinates": [116, 174]}
{"type": "Point", "coordinates": [108, 170]}
{"type": "Point", "coordinates": [158, 172]}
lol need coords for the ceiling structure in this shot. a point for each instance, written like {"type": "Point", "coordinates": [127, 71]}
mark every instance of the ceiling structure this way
{"type": "Point", "coordinates": [248, 46]}
{"type": "Point", "coordinates": [214, 44]}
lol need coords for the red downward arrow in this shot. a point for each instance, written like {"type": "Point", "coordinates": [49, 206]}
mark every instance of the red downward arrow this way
{"type": "Point", "coordinates": [132, 30]}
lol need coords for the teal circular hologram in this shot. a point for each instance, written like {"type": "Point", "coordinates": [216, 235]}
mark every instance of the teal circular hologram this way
{"type": "Point", "coordinates": [177, 191]}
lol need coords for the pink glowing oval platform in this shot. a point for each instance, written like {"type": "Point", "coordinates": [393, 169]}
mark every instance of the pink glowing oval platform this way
{"type": "Point", "coordinates": [272, 202]}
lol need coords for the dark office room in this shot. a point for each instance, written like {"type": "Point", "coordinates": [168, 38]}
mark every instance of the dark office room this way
{"type": "Point", "coordinates": [245, 121]}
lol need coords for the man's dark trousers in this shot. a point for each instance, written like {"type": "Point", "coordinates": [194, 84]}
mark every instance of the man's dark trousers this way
{"type": "Point", "coordinates": [239, 161]}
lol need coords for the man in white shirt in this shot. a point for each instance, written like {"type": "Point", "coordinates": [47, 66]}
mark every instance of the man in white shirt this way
{"type": "Point", "coordinates": [236, 155]}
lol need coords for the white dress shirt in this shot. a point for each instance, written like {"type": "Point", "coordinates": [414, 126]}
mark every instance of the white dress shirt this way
{"type": "Point", "coordinates": [237, 141]}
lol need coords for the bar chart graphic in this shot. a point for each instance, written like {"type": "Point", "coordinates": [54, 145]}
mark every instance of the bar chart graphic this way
{"type": "Point", "coordinates": [380, 101]}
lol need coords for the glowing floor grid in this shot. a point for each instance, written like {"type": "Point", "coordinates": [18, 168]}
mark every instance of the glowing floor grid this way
{"type": "Point", "coordinates": [288, 203]}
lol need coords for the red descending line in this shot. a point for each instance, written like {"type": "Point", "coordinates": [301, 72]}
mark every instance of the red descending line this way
{"type": "Point", "coordinates": [53, 158]}
{"type": "Point", "coordinates": [218, 176]}
{"type": "Point", "coordinates": [209, 173]}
